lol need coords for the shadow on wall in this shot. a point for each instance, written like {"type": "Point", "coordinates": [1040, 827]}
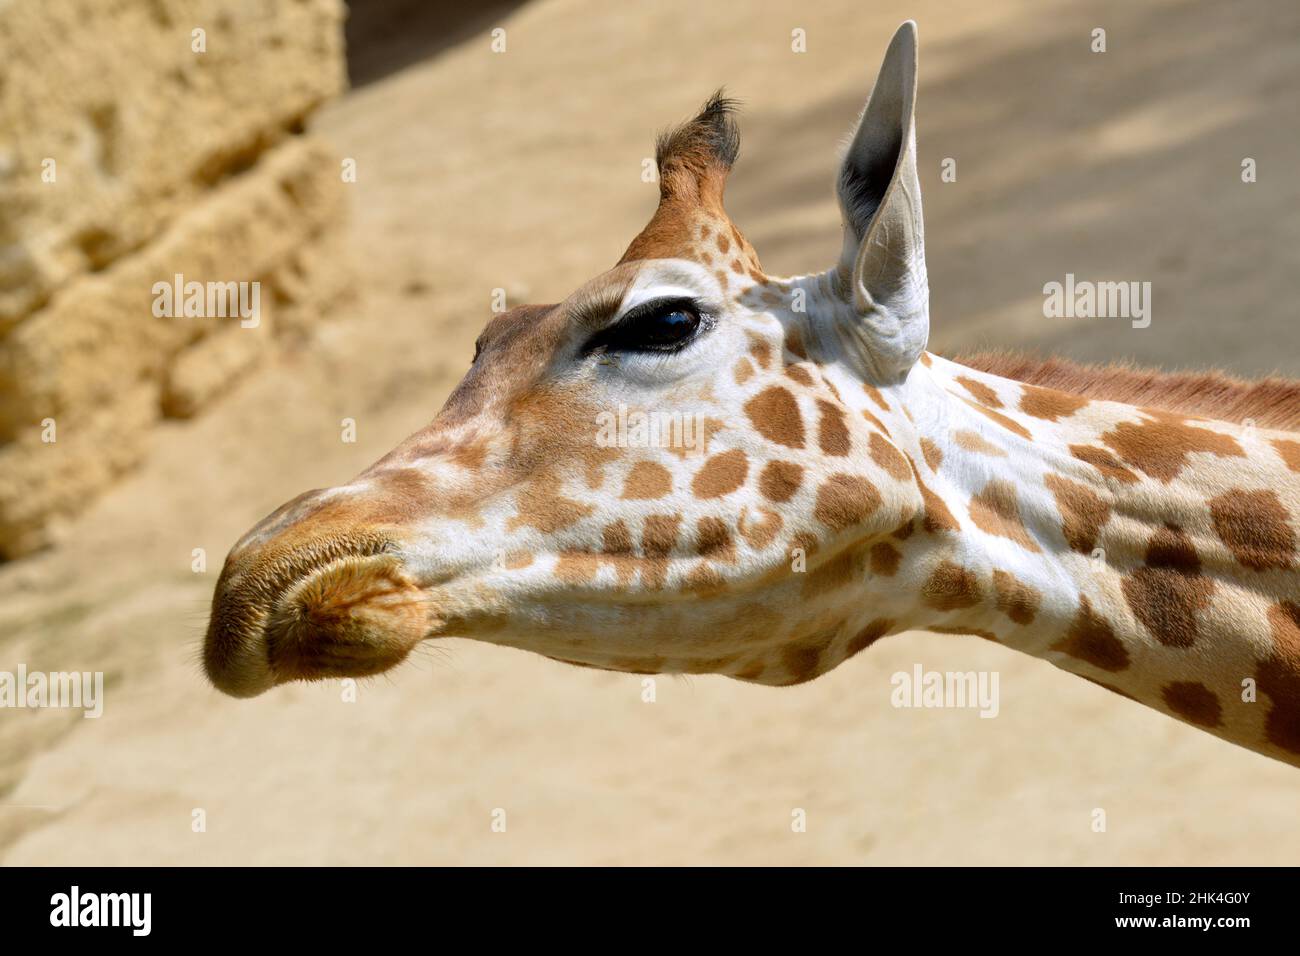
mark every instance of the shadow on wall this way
{"type": "Point", "coordinates": [383, 36]}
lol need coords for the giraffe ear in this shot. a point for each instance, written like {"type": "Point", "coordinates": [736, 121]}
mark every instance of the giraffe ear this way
{"type": "Point", "coordinates": [882, 265]}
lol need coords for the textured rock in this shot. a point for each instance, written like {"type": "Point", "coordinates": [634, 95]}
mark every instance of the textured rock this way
{"type": "Point", "coordinates": [137, 123]}
{"type": "Point", "coordinates": [100, 330]}
{"type": "Point", "coordinates": [310, 284]}
{"type": "Point", "coordinates": [42, 484]}
{"type": "Point", "coordinates": [166, 161]}
{"type": "Point", "coordinates": [99, 363]}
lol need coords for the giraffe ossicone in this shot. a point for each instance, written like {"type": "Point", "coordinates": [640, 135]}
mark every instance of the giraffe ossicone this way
{"type": "Point", "coordinates": [842, 484]}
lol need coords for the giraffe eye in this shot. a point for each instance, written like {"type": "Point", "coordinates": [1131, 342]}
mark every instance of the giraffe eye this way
{"type": "Point", "coordinates": [661, 325]}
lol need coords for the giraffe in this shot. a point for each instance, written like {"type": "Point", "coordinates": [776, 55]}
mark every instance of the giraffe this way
{"type": "Point", "coordinates": [841, 483]}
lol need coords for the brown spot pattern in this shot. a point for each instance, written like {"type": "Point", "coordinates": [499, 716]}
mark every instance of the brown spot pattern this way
{"type": "Point", "coordinates": [779, 480]}
{"type": "Point", "coordinates": [1278, 676]}
{"type": "Point", "coordinates": [1091, 639]}
{"type": "Point", "coordinates": [1105, 462]}
{"type": "Point", "coordinates": [1290, 452]}
{"type": "Point", "coordinates": [1049, 404]}
{"type": "Point", "coordinates": [760, 350]}
{"type": "Point", "coordinates": [794, 343]}
{"type": "Point", "coordinates": [616, 539]}
{"type": "Point", "coordinates": [1016, 599]}
{"type": "Point", "coordinates": [774, 413]}
{"type": "Point", "coordinates": [996, 511]}
{"type": "Point", "coordinates": [873, 393]}
{"type": "Point", "coordinates": [1009, 424]}
{"type": "Point", "coordinates": [646, 481]}
{"type": "Point", "coordinates": [977, 443]}
{"type": "Point", "coordinates": [804, 541]}
{"type": "Point", "coordinates": [761, 531]}
{"type": "Point", "coordinates": [703, 580]}
{"type": "Point", "coordinates": [1169, 594]}
{"type": "Point", "coordinates": [845, 500]}
{"type": "Point", "coordinates": [932, 454]}
{"type": "Point", "coordinates": [803, 660]}
{"type": "Point", "coordinates": [889, 458]}
{"type": "Point", "coordinates": [721, 475]}
{"type": "Point", "coordinates": [1255, 527]}
{"type": "Point", "coordinates": [576, 567]}
{"type": "Point", "coordinates": [832, 433]}
{"type": "Point", "coordinates": [1084, 513]}
{"type": "Point", "coordinates": [1193, 702]}
{"type": "Point", "coordinates": [979, 391]}
{"type": "Point", "coordinates": [950, 587]}
{"type": "Point", "coordinates": [659, 535]}
{"type": "Point", "coordinates": [540, 505]}
{"type": "Point", "coordinates": [884, 559]}
{"type": "Point", "coordinates": [713, 540]}
{"type": "Point", "coordinates": [799, 374]}
{"type": "Point", "coordinates": [839, 571]}
{"type": "Point", "coordinates": [874, 420]}
{"type": "Point", "coordinates": [937, 516]}
{"type": "Point", "coordinates": [1160, 447]}
{"type": "Point", "coordinates": [871, 633]}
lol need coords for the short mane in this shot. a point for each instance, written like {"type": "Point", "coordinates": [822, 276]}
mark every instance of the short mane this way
{"type": "Point", "coordinates": [1272, 402]}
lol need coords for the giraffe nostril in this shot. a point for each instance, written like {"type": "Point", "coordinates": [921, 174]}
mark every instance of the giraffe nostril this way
{"type": "Point", "coordinates": [354, 617]}
{"type": "Point", "coordinates": [253, 584]}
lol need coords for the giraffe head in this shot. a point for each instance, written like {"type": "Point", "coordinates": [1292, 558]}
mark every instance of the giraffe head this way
{"type": "Point", "coordinates": [672, 470]}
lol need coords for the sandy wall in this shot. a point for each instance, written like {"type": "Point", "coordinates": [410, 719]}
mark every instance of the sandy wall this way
{"type": "Point", "coordinates": [145, 140]}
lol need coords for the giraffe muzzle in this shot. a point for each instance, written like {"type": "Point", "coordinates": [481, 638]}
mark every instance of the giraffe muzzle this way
{"type": "Point", "coordinates": [311, 614]}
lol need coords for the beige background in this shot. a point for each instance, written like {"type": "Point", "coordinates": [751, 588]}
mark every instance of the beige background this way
{"type": "Point", "coordinates": [522, 170]}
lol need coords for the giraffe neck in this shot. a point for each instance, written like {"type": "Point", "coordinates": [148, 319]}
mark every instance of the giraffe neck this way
{"type": "Point", "coordinates": [1142, 550]}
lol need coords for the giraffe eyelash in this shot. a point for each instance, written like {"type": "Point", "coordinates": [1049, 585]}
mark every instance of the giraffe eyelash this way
{"type": "Point", "coordinates": [613, 339]}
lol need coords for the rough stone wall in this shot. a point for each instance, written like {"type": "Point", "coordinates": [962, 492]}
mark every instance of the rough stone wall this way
{"type": "Point", "coordinates": [132, 150]}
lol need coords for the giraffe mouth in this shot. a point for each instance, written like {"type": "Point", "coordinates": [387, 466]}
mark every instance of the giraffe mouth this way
{"type": "Point", "coordinates": [354, 617]}
{"type": "Point", "coordinates": [335, 611]}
